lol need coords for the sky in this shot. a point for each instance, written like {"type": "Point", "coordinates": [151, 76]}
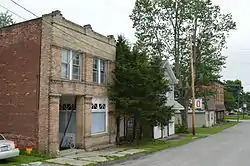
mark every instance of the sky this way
{"type": "Point", "coordinates": [112, 17]}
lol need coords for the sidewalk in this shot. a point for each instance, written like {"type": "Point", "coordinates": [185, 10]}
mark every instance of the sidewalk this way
{"type": "Point", "coordinates": [95, 157]}
{"type": "Point", "coordinates": [76, 157]}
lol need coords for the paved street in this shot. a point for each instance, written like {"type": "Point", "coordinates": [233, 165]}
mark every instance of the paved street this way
{"type": "Point", "coordinates": [229, 148]}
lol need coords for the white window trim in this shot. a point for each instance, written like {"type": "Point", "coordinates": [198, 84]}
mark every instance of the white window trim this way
{"type": "Point", "coordinates": [106, 123]}
{"type": "Point", "coordinates": [71, 65]}
{"type": "Point", "coordinates": [99, 70]}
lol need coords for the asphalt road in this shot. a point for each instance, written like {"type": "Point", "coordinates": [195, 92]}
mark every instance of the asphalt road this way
{"type": "Point", "coordinates": [228, 148]}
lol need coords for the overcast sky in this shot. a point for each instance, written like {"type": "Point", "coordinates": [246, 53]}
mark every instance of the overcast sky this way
{"type": "Point", "coordinates": [111, 17]}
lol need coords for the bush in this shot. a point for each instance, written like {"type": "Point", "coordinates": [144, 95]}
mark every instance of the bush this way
{"type": "Point", "coordinates": [180, 129]}
{"type": "Point", "coordinates": [204, 126]}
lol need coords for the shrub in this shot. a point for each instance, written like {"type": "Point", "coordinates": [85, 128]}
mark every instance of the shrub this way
{"type": "Point", "coordinates": [204, 126]}
{"type": "Point", "coordinates": [180, 129]}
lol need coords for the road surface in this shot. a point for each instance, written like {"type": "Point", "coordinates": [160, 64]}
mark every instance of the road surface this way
{"type": "Point", "coordinates": [228, 148]}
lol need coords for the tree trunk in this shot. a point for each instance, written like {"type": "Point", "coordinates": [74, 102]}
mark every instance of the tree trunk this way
{"type": "Point", "coordinates": [137, 131]}
{"type": "Point", "coordinates": [118, 130]}
{"type": "Point", "coordinates": [162, 128]}
{"type": "Point", "coordinates": [168, 129]}
{"type": "Point", "coordinates": [184, 117]}
{"type": "Point", "coordinates": [134, 129]}
{"type": "Point", "coordinates": [141, 132]}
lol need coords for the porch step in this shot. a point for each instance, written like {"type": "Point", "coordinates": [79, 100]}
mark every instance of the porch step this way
{"type": "Point", "coordinates": [69, 152]}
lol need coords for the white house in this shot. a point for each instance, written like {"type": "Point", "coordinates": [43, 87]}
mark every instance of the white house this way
{"type": "Point", "coordinates": [171, 102]}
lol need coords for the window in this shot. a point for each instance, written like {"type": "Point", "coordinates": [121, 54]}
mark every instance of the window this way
{"type": "Point", "coordinates": [100, 71]}
{"type": "Point", "coordinates": [65, 64]}
{"type": "Point", "coordinates": [95, 70]}
{"type": "Point", "coordinates": [99, 118]}
{"type": "Point", "coordinates": [71, 67]}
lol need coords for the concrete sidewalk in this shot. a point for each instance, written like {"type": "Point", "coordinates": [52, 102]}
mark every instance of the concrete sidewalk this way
{"type": "Point", "coordinates": [81, 158]}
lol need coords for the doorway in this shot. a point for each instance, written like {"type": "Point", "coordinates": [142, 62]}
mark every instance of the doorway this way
{"type": "Point", "coordinates": [67, 122]}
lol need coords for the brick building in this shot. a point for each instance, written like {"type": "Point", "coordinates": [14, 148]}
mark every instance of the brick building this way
{"type": "Point", "coordinates": [53, 77]}
{"type": "Point", "coordinates": [219, 100]}
{"type": "Point", "coordinates": [216, 101]}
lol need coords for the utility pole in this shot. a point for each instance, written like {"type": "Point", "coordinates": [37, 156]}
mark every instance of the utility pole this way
{"type": "Point", "coordinates": [192, 84]}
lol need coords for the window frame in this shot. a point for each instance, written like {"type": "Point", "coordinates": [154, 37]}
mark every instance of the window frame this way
{"type": "Point", "coordinates": [67, 63]}
{"type": "Point", "coordinates": [98, 110]}
{"type": "Point", "coordinates": [70, 63]}
{"type": "Point", "coordinates": [99, 71]}
{"type": "Point", "coordinates": [95, 70]}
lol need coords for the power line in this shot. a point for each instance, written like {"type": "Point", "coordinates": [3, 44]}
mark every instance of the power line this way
{"type": "Point", "coordinates": [13, 12]}
{"type": "Point", "coordinates": [24, 8]}
{"type": "Point", "coordinates": [59, 28]}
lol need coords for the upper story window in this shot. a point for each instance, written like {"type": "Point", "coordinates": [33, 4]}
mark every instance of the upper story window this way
{"type": "Point", "coordinates": [71, 65]}
{"type": "Point", "coordinates": [100, 67]}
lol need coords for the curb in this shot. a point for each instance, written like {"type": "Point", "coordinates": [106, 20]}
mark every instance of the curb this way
{"type": "Point", "coordinates": [133, 157]}
{"type": "Point", "coordinates": [140, 155]}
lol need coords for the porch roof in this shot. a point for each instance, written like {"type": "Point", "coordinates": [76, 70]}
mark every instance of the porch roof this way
{"type": "Point", "coordinates": [220, 107]}
{"type": "Point", "coordinates": [175, 104]}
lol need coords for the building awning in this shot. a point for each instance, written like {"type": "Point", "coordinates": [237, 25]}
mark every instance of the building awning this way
{"type": "Point", "coordinates": [211, 105]}
{"type": "Point", "coordinates": [220, 107]}
{"type": "Point", "coordinates": [175, 104]}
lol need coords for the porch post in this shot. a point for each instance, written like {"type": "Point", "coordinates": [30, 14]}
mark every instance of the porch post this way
{"type": "Point", "coordinates": [54, 123]}
{"type": "Point", "coordinates": [80, 122]}
{"type": "Point", "coordinates": [87, 119]}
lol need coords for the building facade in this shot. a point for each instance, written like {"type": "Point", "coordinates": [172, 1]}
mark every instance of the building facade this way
{"type": "Point", "coordinates": [53, 88]}
{"type": "Point", "coordinates": [177, 107]}
{"type": "Point", "coordinates": [215, 102]}
{"type": "Point", "coordinates": [219, 100]}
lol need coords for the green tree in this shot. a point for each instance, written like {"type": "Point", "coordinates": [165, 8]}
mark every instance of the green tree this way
{"type": "Point", "coordinates": [6, 19]}
{"type": "Point", "coordinates": [234, 94]}
{"type": "Point", "coordinates": [139, 87]}
{"type": "Point", "coordinates": [165, 28]}
{"type": "Point", "coordinates": [229, 101]}
{"type": "Point", "coordinates": [247, 100]}
{"type": "Point", "coordinates": [159, 86]}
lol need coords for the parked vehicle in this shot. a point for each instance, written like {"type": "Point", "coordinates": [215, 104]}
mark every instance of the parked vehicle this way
{"type": "Point", "coordinates": [8, 149]}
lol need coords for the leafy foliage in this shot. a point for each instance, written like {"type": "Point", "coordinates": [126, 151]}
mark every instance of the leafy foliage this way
{"type": "Point", "coordinates": [165, 27]}
{"type": "Point", "coordinates": [139, 86]}
{"type": "Point", "coordinates": [233, 93]}
{"type": "Point", "coordinates": [6, 19]}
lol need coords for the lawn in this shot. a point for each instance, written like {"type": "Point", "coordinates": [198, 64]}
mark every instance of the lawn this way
{"type": "Point", "coordinates": [234, 117]}
{"type": "Point", "coordinates": [22, 159]}
{"type": "Point", "coordinates": [157, 145]}
{"type": "Point", "coordinates": [149, 145]}
{"type": "Point", "coordinates": [216, 128]}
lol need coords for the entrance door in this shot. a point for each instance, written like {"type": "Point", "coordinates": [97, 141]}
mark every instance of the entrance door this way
{"type": "Point", "coordinates": [67, 126]}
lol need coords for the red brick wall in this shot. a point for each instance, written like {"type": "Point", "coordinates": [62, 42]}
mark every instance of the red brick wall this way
{"type": "Point", "coordinates": [19, 81]}
{"type": "Point", "coordinates": [219, 89]}
{"type": "Point", "coordinates": [219, 93]}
